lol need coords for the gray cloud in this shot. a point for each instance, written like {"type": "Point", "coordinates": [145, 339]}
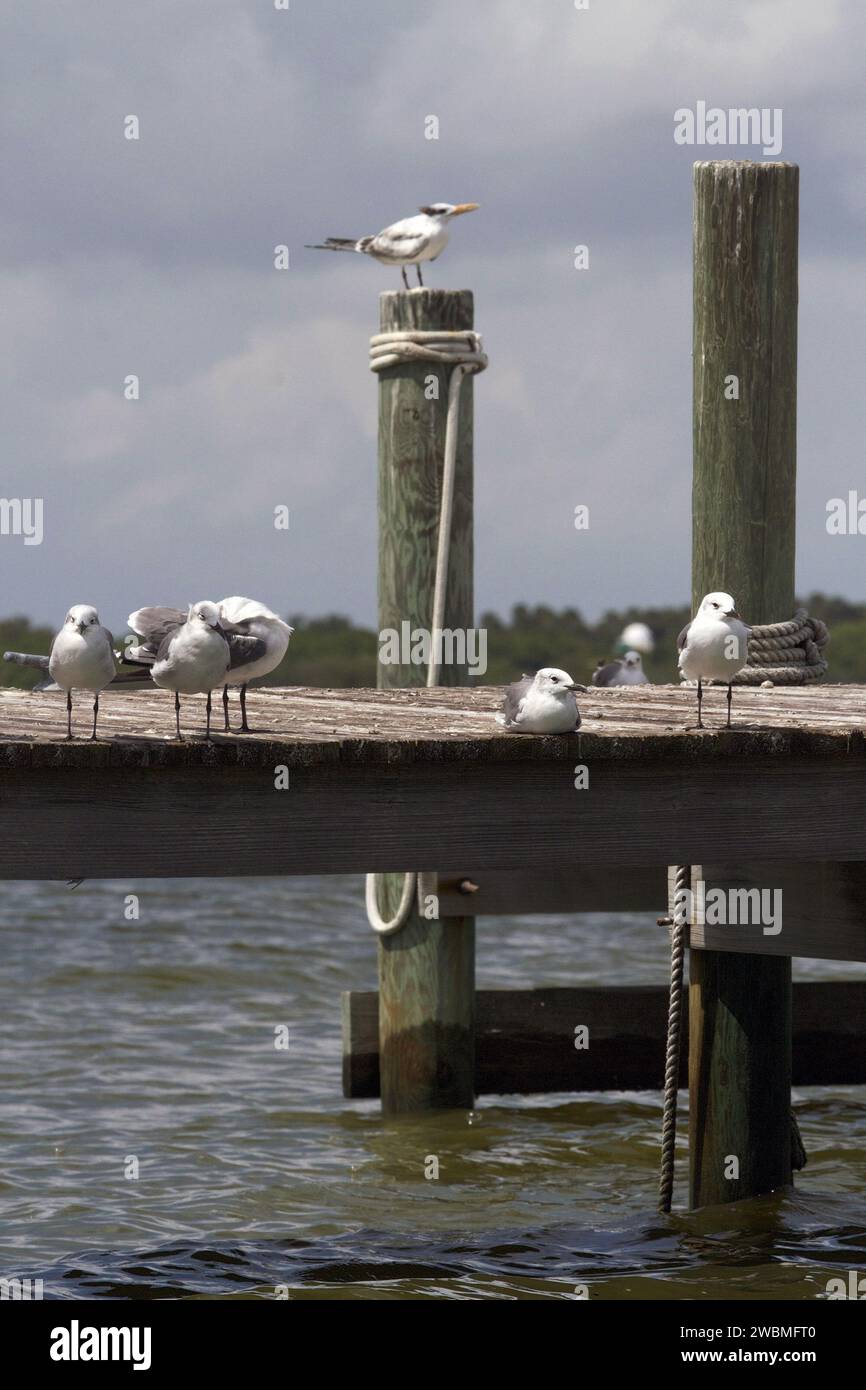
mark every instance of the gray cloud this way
{"type": "Point", "coordinates": [259, 127]}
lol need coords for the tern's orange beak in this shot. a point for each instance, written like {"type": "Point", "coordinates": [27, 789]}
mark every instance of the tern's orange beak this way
{"type": "Point", "coordinates": [464, 207]}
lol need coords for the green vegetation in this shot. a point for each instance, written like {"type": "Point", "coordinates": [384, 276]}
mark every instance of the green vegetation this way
{"type": "Point", "coordinates": [332, 651]}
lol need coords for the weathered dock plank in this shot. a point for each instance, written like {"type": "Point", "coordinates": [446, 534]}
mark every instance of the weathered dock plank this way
{"type": "Point", "coordinates": [427, 780]}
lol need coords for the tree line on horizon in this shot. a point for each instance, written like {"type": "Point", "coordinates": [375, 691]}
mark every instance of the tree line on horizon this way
{"type": "Point", "coordinates": [333, 651]}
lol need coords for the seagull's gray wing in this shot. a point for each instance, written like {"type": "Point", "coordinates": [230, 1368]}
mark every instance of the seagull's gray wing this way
{"type": "Point", "coordinates": [514, 694]}
{"type": "Point", "coordinates": [683, 637]}
{"type": "Point", "coordinates": [243, 649]}
{"type": "Point", "coordinates": [107, 636]}
{"type": "Point", "coordinates": [606, 675]}
{"type": "Point", "coordinates": [154, 626]}
{"type": "Point", "coordinates": [153, 623]}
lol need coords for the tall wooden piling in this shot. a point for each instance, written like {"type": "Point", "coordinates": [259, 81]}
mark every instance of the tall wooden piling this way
{"type": "Point", "coordinates": [745, 389]}
{"type": "Point", "coordinates": [426, 970]}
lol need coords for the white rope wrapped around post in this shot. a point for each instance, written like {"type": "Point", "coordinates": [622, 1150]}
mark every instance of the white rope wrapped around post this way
{"type": "Point", "coordinates": [465, 354]}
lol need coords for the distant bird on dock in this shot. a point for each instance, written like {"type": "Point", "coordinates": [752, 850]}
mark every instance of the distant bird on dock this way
{"type": "Point", "coordinates": [636, 637]}
{"type": "Point", "coordinates": [542, 704]}
{"type": "Point", "coordinates": [257, 641]}
{"type": "Point", "coordinates": [82, 658]}
{"type": "Point", "coordinates": [409, 242]}
{"type": "Point", "coordinates": [626, 670]}
{"type": "Point", "coordinates": [714, 645]}
{"type": "Point", "coordinates": [190, 656]}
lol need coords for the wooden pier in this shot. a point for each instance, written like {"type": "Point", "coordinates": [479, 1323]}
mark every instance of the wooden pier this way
{"type": "Point", "coordinates": [426, 779]}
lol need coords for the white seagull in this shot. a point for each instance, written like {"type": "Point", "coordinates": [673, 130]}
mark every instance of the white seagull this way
{"type": "Point", "coordinates": [409, 242]}
{"type": "Point", "coordinates": [82, 658]}
{"type": "Point", "coordinates": [542, 704]}
{"type": "Point", "coordinates": [625, 670]}
{"type": "Point", "coordinates": [246, 617]}
{"type": "Point", "coordinates": [714, 646]}
{"type": "Point", "coordinates": [257, 641]}
{"type": "Point", "coordinates": [190, 656]}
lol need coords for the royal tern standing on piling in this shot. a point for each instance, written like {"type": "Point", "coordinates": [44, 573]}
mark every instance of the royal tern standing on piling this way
{"type": "Point", "coordinates": [542, 704]}
{"type": "Point", "coordinates": [190, 656]}
{"type": "Point", "coordinates": [82, 658]}
{"type": "Point", "coordinates": [714, 645]}
{"type": "Point", "coordinates": [409, 242]}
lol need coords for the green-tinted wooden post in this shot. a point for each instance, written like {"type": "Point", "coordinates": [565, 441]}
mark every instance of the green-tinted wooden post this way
{"type": "Point", "coordinates": [426, 970]}
{"type": "Point", "coordinates": [743, 504]}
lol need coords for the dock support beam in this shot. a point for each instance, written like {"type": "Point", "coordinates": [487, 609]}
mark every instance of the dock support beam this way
{"type": "Point", "coordinates": [745, 399]}
{"type": "Point", "coordinates": [426, 970]}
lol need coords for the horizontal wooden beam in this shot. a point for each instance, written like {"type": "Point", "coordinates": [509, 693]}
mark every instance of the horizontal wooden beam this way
{"type": "Point", "coordinates": [586, 889]}
{"type": "Point", "coordinates": [347, 815]}
{"type": "Point", "coordinates": [525, 1039]}
{"type": "Point", "coordinates": [780, 909]}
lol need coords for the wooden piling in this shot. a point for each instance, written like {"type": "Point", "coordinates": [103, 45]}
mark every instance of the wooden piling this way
{"type": "Point", "coordinates": [745, 385]}
{"type": "Point", "coordinates": [426, 970]}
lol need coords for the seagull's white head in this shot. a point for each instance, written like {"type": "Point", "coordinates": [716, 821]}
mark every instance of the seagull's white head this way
{"type": "Point", "coordinates": [446, 210]}
{"type": "Point", "coordinates": [204, 612]}
{"type": "Point", "coordinates": [552, 681]}
{"type": "Point", "coordinates": [632, 661]}
{"type": "Point", "coordinates": [720, 606]}
{"type": "Point", "coordinates": [82, 616]}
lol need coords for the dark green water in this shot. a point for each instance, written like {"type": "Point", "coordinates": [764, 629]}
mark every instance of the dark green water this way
{"type": "Point", "coordinates": [154, 1040]}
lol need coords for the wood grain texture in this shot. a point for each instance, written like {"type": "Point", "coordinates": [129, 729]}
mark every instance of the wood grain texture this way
{"type": "Point", "coordinates": [525, 1038]}
{"type": "Point", "coordinates": [432, 810]}
{"type": "Point", "coordinates": [743, 542]}
{"type": "Point", "coordinates": [384, 726]}
{"type": "Point", "coordinates": [587, 889]}
{"type": "Point", "coordinates": [739, 1076]}
{"type": "Point", "coordinates": [822, 910]}
{"type": "Point", "coordinates": [745, 324]}
{"type": "Point", "coordinates": [427, 970]}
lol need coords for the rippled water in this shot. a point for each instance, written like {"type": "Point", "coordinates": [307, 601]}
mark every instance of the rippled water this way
{"type": "Point", "coordinates": [154, 1040]}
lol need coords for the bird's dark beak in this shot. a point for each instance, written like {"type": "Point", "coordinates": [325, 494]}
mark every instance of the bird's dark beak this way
{"type": "Point", "coordinates": [81, 627]}
{"type": "Point", "coordinates": [582, 688]}
{"type": "Point", "coordinates": [732, 613]}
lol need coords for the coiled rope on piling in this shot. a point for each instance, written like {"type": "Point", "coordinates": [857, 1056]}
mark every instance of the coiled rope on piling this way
{"type": "Point", "coordinates": [788, 653]}
{"type": "Point", "coordinates": [463, 352]}
{"type": "Point", "coordinates": [672, 1054]}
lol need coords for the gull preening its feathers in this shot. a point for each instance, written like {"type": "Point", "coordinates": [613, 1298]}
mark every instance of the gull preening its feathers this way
{"type": "Point", "coordinates": [82, 658]}
{"type": "Point", "coordinates": [541, 704]}
{"type": "Point", "coordinates": [409, 242]}
{"type": "Point", "coordinates": [625, 670]}
{"type": "Point", "coordinates": [256, 638]}
{"type": "Point", "coordinates": [714, 646]}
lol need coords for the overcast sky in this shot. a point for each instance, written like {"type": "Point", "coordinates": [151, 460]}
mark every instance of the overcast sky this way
{"type": "Point", "coordinates": [259, 127]}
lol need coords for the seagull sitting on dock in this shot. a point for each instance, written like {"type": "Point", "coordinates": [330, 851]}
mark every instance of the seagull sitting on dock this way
{"type": "Point", "coordinates": [82, 658]}
{"type": "Point", "coordinates": [409, 242]}
{"type": "Point", "coordinates": [190, 656]}
{"type": "Point", "coordinates": [714, 645]}
{"type": "Point", "coordinates": [542, 704]}
{"type": "Point", "coordinates": [626, 670]}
